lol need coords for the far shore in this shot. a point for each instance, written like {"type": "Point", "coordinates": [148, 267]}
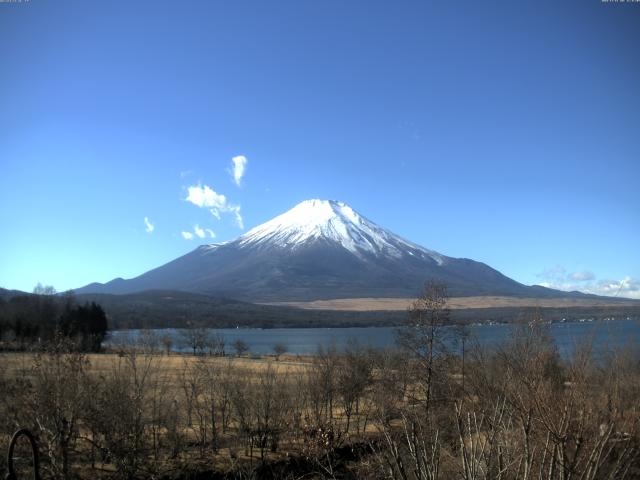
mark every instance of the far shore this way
{"type": "Point", "coordinates": [455, 303]}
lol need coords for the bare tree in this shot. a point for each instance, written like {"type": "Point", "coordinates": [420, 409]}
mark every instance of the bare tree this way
{"type": "Point", "coordinates": [279, 349]}
{"type": "Point", "coordinates": [412, 450]}
{"type": "Point", "coordinates": [195, 338]}
{"type": "Point", "coordinates": [148, 341]}
{"type": "Point", "coordinates": [354, 375]}
{"type": "Point", "coordinates": [40, 289]}
{"type": "Point", "coordinates": [57, 403]}
{"type": "Point", "coordinates": [167, 343]}
{"type": "Point", "coordinates": [424, 336]}
{"type": "Point", "coordinates": [216, 344]}
{"type": "Point", "coordinates": [118, 413]}
{"type": "Point", "coordinates": [241, 347]}
{"type": "Point", "coordinates": [263, 410]}
{"type": "Point", "coordinates": [322, 385]}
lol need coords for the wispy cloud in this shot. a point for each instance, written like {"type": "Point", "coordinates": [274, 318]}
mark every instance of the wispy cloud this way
{"type": "Point", "coordinates": [207, 197]}
{"type": "Point", "coordinates": [553, 274]}
{"type": "Point", "coordinates": [583, 276]}
{"type": "Point", "coordinates": [585, 281]}
{"type": "Point", "coordinates": [627, 287]}
{"type": "Point", "coordinates": [198, 231]}
{"type": "Point", "coordinates": [239, 166]}
{"type": "Point", "coordinates": [148, 226]}
{"type": "Point", "coordinates": [239, 220]}
{"type": "Point", "coordinates": [185, 173]}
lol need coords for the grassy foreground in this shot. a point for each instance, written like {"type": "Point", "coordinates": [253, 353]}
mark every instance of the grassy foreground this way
{"type": "Point", "coordinates": [517, 412]}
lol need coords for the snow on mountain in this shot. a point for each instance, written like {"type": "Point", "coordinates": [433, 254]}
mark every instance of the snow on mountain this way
{"type": "Point", "coordinates": [333, 221]}
{"type": "Point", "coordinates": [319, 250]}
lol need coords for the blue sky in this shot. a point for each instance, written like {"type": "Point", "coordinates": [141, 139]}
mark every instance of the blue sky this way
{"type": "Point", "coordinates": [506, 132]}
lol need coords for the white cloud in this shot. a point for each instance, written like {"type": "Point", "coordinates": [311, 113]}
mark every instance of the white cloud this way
{"type": "Point", "coordinates": [184, 173]}
{"type": "Point", "coordinates": [198, 231]}
{"type": "Point", "coordinates": [583, 276]}
{"type": "Point", "coordinates": [148, 226]}
{"type": "Point", "coordinates": [239, 166]}
{"type": "Point", "coordinates": [553, 274]}
{"type": "Point", "coordinates": [627, 287]}
{"type": "Point", "coordinates": [206, 197]}
{"type": "Point", "coordinates": [239, 221]}
{"type": "Point", "coordinates": [586, 282]}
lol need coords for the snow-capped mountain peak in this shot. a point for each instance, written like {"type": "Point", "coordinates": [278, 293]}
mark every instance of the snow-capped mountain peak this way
{"type": "Point", "coordinates": [332, 221]}
{"type": "Point", "coordinates": [318, 250]}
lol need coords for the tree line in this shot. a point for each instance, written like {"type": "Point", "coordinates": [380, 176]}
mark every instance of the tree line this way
{"type": "Point", "coordinates": [38, 319]}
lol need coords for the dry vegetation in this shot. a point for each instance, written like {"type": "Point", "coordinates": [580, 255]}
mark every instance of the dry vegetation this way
{"type": "Point", "coordinates": [454, 303]}
{"type": "Point", "coordinates": [418, 412]}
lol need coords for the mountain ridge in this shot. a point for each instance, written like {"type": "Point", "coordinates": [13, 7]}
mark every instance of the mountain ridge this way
{"type": "Point", "coordinates": [318, 250]}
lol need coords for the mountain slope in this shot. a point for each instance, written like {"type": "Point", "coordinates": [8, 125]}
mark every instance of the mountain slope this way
{"type": "Point", "coordinates": [319, 250]}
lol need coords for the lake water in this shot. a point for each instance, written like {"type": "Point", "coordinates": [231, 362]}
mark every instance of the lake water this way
{"type": "Point", "coordinates": [605, 335]}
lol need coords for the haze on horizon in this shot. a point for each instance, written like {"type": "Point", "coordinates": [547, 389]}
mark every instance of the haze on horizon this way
{"type": "Point", "coordinates": [504, 132]}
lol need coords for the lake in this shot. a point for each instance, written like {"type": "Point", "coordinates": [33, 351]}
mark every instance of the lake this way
{"type": "Point", "coordinates": [606, 335]}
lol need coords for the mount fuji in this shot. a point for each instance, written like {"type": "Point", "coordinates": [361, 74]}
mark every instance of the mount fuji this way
{"type": "Point", "coordinates": [320, 249]}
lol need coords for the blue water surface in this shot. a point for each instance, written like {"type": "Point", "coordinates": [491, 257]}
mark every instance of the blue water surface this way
{"type": "Point", "coordinates": [603, 335]}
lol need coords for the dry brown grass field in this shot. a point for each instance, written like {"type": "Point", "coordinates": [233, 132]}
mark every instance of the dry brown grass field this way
{"type": "Point", "coordinates": [455, 303]}
{"type": "Point", "coordinates": [170, 365]}
{"type": "Point", "coordinates": [415, 413]}
{"type": "Point", "coordinates": [185, 380]}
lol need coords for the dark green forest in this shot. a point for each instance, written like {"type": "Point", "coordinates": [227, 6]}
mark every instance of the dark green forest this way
{"type": "Point", "coordinates": [30, 320]}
